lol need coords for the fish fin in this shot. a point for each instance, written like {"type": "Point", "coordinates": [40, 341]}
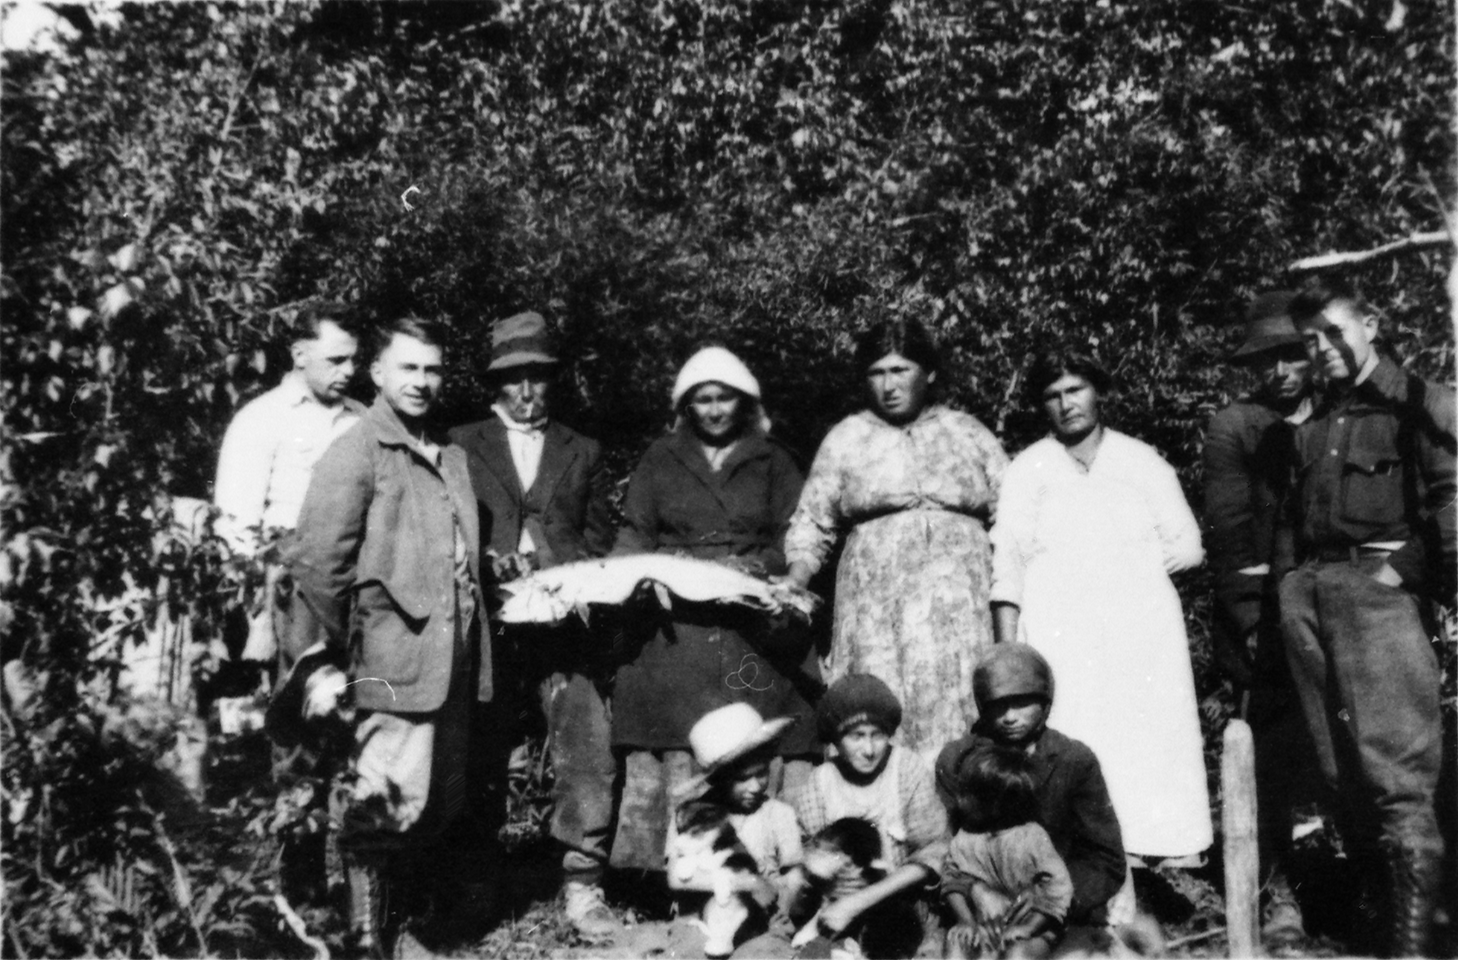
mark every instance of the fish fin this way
{"type": "Point", "coordinates": [665, 600]}
{"type": "Point", "coordinates": [584, 611]}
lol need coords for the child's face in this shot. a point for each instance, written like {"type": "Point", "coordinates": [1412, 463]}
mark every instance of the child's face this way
{"type": "Point", "coordinates": [1017, 720]}
{"type": "Point", "coordinates": [749, 786]}
{"type": "Point", "coordinates": [864, 748]}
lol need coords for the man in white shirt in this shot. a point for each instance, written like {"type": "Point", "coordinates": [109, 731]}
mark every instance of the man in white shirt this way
{"type": "Point", "coordinates": [542, 489]}
{"type": "Point", "coordinates": [264, 468]}
{"type": "Point", "coordinates": [271, 446]}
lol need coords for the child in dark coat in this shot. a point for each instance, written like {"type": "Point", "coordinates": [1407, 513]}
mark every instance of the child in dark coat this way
{"type": "Point", "coordinates": [1013, 686]}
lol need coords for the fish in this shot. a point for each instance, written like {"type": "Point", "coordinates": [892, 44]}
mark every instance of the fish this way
{"type": "Point", "coordinates": [552, 595]}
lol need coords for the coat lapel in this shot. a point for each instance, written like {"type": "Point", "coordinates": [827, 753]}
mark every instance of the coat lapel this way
{"type": "Point", "coordinates": [495, 453]}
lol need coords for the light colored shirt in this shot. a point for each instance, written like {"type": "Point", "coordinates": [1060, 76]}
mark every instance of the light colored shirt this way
{"type": "Point", "coordinates": [525, 441]}
{"type": "Point", "coordinates": [268, 456]}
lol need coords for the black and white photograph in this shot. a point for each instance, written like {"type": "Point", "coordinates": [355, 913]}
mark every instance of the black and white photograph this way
{"type": "Point", "coordinates": [755, 479]}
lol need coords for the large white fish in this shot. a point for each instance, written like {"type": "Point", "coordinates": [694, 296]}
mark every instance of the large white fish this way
{"type": "Point", "coordinates": [552, 595]}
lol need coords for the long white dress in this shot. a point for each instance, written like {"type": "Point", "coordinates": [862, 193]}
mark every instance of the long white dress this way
{"type": "Point", "coordinates": [1087, 555]}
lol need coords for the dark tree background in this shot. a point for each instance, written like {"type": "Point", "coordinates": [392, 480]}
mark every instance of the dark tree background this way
{"type": "Point", "coordinates": [774, 174]}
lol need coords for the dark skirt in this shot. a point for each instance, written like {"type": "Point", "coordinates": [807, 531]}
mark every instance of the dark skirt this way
{"type": "Point", "coordinates": [683, 663]}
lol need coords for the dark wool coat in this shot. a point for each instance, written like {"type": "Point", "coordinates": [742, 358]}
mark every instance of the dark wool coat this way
{"type": "Point", "coordinates": [701, 656]}
{"type": "Point", "coordinates": [566, 509]}
{"type": "Point", "coordinates": [1074, 807]}
{"type": "Point", "coordinates": [1249, 460]}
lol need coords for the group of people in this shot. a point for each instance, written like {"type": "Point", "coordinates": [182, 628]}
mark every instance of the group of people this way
{"type": "Point", "coordinates": [964, 585]}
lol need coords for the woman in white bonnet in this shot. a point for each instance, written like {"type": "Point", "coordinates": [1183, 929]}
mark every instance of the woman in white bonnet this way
{"type": "Point", "coordinates": [715, 488]}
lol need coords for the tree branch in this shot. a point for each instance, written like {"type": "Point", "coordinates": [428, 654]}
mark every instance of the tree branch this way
{"type": "Point", "coordinates": [1433, 238]}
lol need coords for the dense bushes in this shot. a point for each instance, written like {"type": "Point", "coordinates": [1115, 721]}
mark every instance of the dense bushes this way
{"type": "Point", "coordinates": [773, 174]}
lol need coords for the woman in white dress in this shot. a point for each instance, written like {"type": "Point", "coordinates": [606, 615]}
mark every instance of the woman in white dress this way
{"type": "Point", "coordinates": [1090, 525]}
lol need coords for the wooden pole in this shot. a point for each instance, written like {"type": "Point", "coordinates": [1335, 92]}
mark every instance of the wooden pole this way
{"type": "Point", "coordinates": [1242, 856]}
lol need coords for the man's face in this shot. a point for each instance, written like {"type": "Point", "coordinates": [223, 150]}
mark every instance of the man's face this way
{"type": "Point", "coordinates": [1284, 373]}
{"type": "Point", "coordinates": [409, 375]}
{"type": "Point", "coordinates": [327, 362]}
{"type": "Point", "coordinates": [1339, 338]}
{"type": "Point", "coordinates": [522, 391]}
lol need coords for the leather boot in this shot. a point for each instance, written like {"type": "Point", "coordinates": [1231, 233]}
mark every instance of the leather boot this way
{"type": "Point", "coordinates": [1413, 875]}
{"type": "Point", "coordinates": [369, 905]}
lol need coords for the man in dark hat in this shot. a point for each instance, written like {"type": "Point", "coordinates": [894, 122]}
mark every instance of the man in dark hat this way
{"type": "Point", "coordinates": [1249, 461]}
{"type": "Point", "coordinates": [1372, 513]}
{"type": "Point", "coordinates": [543, 494]}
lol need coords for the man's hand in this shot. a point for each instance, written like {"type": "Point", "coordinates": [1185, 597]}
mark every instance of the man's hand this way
{"type": "Point", "coordinates": [322, 692]}
{"type": "Point", "coordinates": [511, 566]}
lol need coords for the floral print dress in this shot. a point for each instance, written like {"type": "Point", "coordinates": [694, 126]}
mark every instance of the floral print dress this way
{"type": "Point", "coordinates": [911, 591]}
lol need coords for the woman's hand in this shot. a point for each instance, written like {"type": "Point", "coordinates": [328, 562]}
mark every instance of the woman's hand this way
{"type": "Point", "coordinates": [798, 575]}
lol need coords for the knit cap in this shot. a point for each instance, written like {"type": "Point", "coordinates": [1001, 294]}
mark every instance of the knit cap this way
{"type": "Point", "coordinates": [857, 698]}
{"type": "Point", "coordinates": [714, 365]}
{"type": "Point", "coordinates": [1011, 670]}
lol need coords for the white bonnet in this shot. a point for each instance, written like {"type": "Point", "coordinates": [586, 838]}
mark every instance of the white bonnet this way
{"type": "Point", "coordinates": [716, 365]}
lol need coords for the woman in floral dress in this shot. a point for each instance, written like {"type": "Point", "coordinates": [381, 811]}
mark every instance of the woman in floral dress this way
{"type": "Point", "coordinates": [914, 484]}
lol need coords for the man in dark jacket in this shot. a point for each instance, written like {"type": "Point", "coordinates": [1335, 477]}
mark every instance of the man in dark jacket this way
{"type": "Point", "coordinates": [1373, 517]}
{"type": "Point", "coordinates": [1013, 687]}
{"type": "Point", "coordinates": [386, 562]}
{"type": "Point", "coordinates": [1249, 462]}
{"type": "Point", "coordinates": [543, 495]}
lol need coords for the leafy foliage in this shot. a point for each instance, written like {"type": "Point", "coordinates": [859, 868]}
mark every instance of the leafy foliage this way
{"type": "Point", "coordinates": [774, 175]}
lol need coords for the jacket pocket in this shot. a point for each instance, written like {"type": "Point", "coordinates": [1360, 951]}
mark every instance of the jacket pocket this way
{"type": "Point", "coordinates": [390, 649]}
{"type": "Point", "coordinates": [1372, 494]}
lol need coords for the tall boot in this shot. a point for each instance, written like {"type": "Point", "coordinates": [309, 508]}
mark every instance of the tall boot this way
{"type": "Point", "coordinates": [1414, 874]}
{"type": "Point", "coordinates": [369, 904]}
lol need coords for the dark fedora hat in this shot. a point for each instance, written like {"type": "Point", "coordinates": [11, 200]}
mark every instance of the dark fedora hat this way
{"type": "Point", "coordinates": [519, 340]}
{"type": "Point", "coordinates": [1268, 325]}
{"type": "Point", "coordinates": [284, 720]}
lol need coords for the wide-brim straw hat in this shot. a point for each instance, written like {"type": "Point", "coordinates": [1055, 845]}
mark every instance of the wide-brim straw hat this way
{"type": "Point", "coordinates": [520, 340]}
{"type": "Point", "coordinates": [723, 736]}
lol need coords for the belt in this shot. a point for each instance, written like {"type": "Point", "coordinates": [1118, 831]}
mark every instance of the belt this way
{"type": "Point", "coordinates": [1351, 554]}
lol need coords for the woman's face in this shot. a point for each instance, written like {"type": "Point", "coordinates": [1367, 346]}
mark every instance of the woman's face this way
{"type": "Point", "coordinates": [1072, 406]}
{"type": "Point", "coordinates": [714, 413]}
{"type": "Point", "coordinates": [864, 748]}
{"type": "Point", "coordinates": [898, 387]}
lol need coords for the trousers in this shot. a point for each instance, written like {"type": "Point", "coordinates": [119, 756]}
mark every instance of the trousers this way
{"type": "Point", "coordinates": [580, 731]}
{"type": "Point", "coordinates": [1367, 679]}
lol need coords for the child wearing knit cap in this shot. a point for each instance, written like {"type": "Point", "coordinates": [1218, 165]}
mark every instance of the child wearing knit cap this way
{"type": "Point", "coordinates": [869, 777]}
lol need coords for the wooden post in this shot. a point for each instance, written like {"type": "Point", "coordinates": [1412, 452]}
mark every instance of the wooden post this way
{"type": "Point", "coordinates": [1242, 856]}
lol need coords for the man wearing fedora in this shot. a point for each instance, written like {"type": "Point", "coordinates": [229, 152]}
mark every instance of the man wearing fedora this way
{"type": "Point", "coordinates": [543, 495]}
{"type": "Point", "coordinates": [1249, 460]}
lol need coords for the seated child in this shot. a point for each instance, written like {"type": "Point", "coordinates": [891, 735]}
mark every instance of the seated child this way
{"type": "Point", "coordinates": [730, 839]}
{"type": "Point", "coordinates": [1003, 881]}
{"type": "Point", "coordinates": [1013, 687]}
{"type": "Point", "coordinates": [870, 778]}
